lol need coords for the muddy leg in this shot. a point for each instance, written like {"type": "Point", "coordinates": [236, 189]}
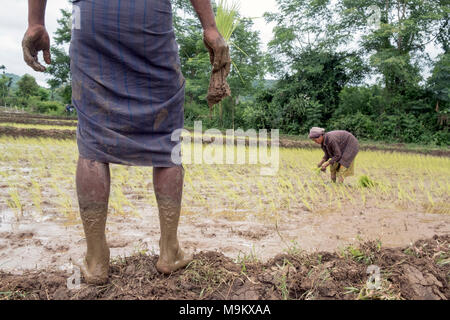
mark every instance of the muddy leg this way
{"type": "Point", "coordinates": [341, 179]}
{"type": "Point", "coordinates": [93, 183]}
{"type": "Point", "coordinates": [168, 184]}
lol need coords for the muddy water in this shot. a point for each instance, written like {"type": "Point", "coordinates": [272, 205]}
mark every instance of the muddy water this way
{"type": "Point", "coordinates": [47, 242]}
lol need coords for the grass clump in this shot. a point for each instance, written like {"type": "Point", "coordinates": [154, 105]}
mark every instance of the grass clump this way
{"type": "Point", "coordinates": [366, 182]}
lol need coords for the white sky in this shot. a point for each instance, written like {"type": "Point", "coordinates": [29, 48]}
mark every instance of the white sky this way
{"type": "Point", "coordinates": [13, 23]}
{"type": "Point", "coordinates": [14, 17]}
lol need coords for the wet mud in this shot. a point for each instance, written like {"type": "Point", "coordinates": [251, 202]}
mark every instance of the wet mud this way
{"type": "Point", "coordinates": [418, 271]}
{"type": "Point", "coordinates": [218, 87]}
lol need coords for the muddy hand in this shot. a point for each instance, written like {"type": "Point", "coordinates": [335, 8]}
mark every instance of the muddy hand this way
{"type": "Point", "coordinates": [219, 52]}
{"type": "Point", "coordinates": [36, 39]}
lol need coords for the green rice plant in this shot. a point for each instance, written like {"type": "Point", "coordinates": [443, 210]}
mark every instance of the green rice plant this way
{"type": "Point", "coordinates": [293, 248]}
{"type": "Point", "coordinates": [366, 182]}
{"type": "Point", "coordinates": [353, 253]}
{"type": "Point", "coordinates": [15, 203]}
{"type": "Point", "coordinates": [65, 203]}
{"type": "Point", "coordinates": [282, 286]}
{"type": "Point", "coordinates": [316, 170]}
{"type": "Point", "coordinates": [245, 258]}
{"type": "Point", "coordinates": [36, 195]}
{"type": "Point", "coordinates": [430, 198]}
{"type": "Point", "coordinates": [226, 18]}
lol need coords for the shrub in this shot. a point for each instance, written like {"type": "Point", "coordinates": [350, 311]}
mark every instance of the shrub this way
{"type": "Point", "coordinates": [49, 107]}
{"type": "Point", "coordinates": [360, 125]}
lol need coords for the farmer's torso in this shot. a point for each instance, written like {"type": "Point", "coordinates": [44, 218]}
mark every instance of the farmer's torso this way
{"type": "Point", "coordinates": [346, 142]}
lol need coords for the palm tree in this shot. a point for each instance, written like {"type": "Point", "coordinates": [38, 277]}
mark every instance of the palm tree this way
{"type": "Point", "coordinates": [2, 67]}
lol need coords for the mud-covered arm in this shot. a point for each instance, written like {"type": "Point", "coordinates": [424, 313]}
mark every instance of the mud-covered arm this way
{"type": "Point", "coordinates": [326, 156]}
{"type": "Point", "coordinates": [205, 13]}
{"type": "Point", "coordinates": [218, 49]}
{"type": "Point", "coordinates": [36, 38]}
{"type": "Point", "coordinates": [335, 151]}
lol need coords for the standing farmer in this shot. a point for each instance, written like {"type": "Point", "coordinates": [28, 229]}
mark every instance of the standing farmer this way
{"type": "Point", "coordinates": [341, 146]}
{"type": "Point", "coordinates": [128, 90]}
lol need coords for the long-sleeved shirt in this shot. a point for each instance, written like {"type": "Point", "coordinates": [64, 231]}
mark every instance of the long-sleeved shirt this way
{"type": "Point", "coordinates": [341, 146]}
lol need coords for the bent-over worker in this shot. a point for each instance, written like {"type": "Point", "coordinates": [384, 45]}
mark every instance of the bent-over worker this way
{"type": "Point", "coordinates": [340, 148]}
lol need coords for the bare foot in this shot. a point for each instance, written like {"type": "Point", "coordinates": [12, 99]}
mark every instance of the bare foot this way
{"type": "Point", "coordinates": [96, 275]}
{"type": "Point", "coordinates": [166, 266]}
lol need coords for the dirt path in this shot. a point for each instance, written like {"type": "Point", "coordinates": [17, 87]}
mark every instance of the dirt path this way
{"type": "Point", "coordinates": [420, 271]}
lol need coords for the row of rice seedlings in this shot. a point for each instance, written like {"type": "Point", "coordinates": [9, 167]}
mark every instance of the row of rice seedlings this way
{"type": "Point", "coordinates": [55, 160]}
{"type": "Point", "coordinates": [37, 126]}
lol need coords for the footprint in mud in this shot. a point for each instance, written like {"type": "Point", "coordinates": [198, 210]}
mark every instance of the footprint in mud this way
{"type": "Point", "coordinates": [17, 236]}
{"type": "Point", "coordinates": [252, 235]}
{"type": "Point", "coordinates": [118, 243]}
{"type": "Point", "coordinates": [56, 247]}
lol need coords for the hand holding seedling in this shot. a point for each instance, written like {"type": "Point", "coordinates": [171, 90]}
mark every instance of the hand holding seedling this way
{"type": "Point", "coordinates": [320, 163]}
{"type": "Point", "coordinates": [219, 52]}
{"type": "Point", "coordinates": [36, 37]}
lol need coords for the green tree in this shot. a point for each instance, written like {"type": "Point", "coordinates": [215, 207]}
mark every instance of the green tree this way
{"type": "Point", "coordinates": [43, 94]}
{"type": "Point", "coordinates": [246, 55]}
{"type": "Point", "coordinates": [27, 87]}
{"type": "Point", "coordinates": [5, 85]}
{"type": "Point", "coordinates": [310, 96]}
{"type": "Point", "coordinates": [59, 70]}
{"type": "Point", "coordinates": [439, 84]}
{"type": "Point", "coordinates": [300, 25]}
{"type": "Point", "coordinates": [397, 47]}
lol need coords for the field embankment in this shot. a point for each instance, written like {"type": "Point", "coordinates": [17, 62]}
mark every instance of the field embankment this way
{"type": "Point", "coordinates": [419, 271]}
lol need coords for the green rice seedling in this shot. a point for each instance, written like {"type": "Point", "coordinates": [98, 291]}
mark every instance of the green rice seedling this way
{"type": "Point", "coordinates": [365, 182]}
{"type": "Point", "coordinates": [245, 258]}
{"type": "Point", "coordinates": [65, 203]}
{"type": "Point", "coordinates": [294, 249]}
{"type": "Point", "coordinates": [15, 203]}
{"type": "Point", "coordinates": [36, 195]}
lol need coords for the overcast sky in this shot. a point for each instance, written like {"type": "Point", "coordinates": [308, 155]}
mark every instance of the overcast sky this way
{"type": "Point", "coordinates": [13, 23]}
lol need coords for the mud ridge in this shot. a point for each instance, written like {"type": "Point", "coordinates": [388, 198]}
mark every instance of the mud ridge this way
{"type": "Point", "coordinates": [36, 133]}
{"type": "Point", "coordinates": [36, 116]}
{"type": "Point", "coordinates": [419, 271]}
{"type": "Point", "coordinates": [24, 120]}
{"type": "Point", "coordinates": [71, 134]}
